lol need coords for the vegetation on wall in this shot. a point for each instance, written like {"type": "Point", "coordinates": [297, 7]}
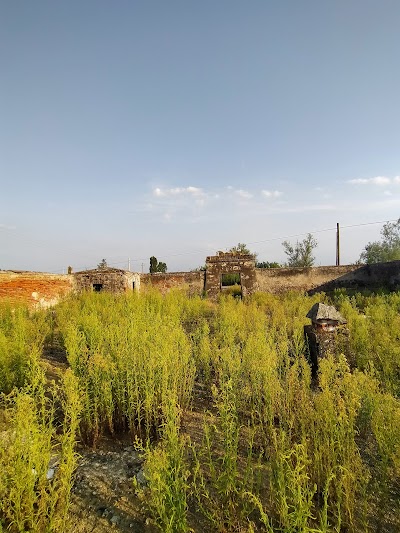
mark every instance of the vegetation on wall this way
{"type": "Point", "coordinates": [240, 248]}
{"type": "Point", "coordinates": [102, 265]}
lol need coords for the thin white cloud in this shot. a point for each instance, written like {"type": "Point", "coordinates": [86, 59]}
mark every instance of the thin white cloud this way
{"type": "Point", "coordinates": [271, 194]}
{"type": "Point", "coordinates": [244, 194]}
{"type": "Point", "coordinates": [158, 192]}
{"type": "Point", "coordinates": [178, 191]}
{"type": "Point", "coordinates": [377, 180]}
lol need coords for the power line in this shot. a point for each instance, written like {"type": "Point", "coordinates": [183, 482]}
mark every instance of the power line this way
{"type": "Point", "coordinates": [193, 252]}
{"type": "Point", "coordinates": [274, 239]}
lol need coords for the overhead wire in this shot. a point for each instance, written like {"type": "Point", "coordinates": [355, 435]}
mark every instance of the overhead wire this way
{"type": "Point", "coordinates": [206, 250]}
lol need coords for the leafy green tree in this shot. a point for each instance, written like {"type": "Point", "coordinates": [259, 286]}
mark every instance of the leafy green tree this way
{"type": "Point", "coordinates": [301, 254]}
{"type": "Point", "coordinates": [153, 264]}
{"type": "Point", "coordinates": [268, 264]}
{"type": "Point", "coordinates": [162, 267]}
{"type": "Point", "coordinates": [240, 248]}
{"type": "Point", "coordinates": [102, 264]}
{"type": "Point", "coordinates": [387, 249]}
{"type": "Point", "coordinates": [156, 266]}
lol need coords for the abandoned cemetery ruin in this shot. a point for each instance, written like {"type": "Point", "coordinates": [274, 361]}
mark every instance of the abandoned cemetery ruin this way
{"type": "Point", "coordinates": [40, 289]}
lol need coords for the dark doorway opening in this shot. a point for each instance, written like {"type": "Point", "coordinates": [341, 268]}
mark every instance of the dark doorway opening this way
{"type": "Point", "coordinates": [97, 287]}
{"type": "Point", "coordinates": [133, 285]}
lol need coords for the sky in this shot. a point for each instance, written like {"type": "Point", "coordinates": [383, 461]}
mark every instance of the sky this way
{"type": "Point", "coordinates": [176, 129]}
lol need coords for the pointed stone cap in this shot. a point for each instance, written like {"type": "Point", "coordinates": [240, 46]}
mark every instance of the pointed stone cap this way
{"type": "Point", "coordinates": [322, 312]}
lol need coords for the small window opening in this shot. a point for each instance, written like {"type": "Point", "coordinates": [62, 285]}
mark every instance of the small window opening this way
{"type": "Point", "coordinates": [231, 284]}
{"type": "Point", "coordinates": [233, 278]}
{"type": "Point", "coordinates": [133, 285]}
{"type": "Point", "coordinates": [97, 287]}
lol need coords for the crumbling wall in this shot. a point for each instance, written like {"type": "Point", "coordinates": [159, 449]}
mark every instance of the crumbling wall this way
{"type": "Point", "coordinates": [279, 280]}
{"type": "Point", "coordinates": [228, 263]}
{"type": "Point", "coordinates": [377, 276]}
{"type": "Point", "coordinates": [328, 278]}
{"type": "Point", "coordinates": [35, 289]}
{"type": "Point", "coordinates": [107, 279]}
{"type": "Point", "coordinates": [191, 282]}
{"type": "Point", "coordinates": [40, 289]}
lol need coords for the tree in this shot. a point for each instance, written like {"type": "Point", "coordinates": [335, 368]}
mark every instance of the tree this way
{"type": "Point", "coordinates": [301, 254]}
{"type": "Point", "coordinates": [162, 267]}
{"type": "Point", "coordinates": [153, 264]}
{"type": "Point", "coordinates": [156, 266]}
{"type": "Point", "coordinates": [388, 249]}
{"type": "Point", "coordinates": [240, 248]}
{"type": "Point", "coordinates": [201, 268]}
{"type": "Point", "coordinates": [102, 264]}
{"type": "Point", "coordinates": [268, 264]}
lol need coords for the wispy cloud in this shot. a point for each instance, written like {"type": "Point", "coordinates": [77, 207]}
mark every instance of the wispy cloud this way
{"type": "Point", "coordinates": [271, 194]}
{"type": "Point", "coordinates": [178, 191]}
{"type": "Point", "coordinates": [244, 194]}
{"type": "Point", "coordinates": [377, 180]}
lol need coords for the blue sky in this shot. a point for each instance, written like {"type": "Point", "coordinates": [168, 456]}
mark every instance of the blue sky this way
{"type": "Point", "coordinates": [179, 128]}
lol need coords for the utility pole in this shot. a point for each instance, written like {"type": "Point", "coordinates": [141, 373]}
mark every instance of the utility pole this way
{"type": "Point", "coordinates": [129, 264]}
{"type": "Point", "coordinates": [142, 268]}
{"type": "Point", "coordinates": [337, 245]}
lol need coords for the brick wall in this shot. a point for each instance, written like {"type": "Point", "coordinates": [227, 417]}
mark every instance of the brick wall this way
{"type": "Point", "coordinates": [36, 289]}
{"type": "Point", "coordinates": [40, 289]}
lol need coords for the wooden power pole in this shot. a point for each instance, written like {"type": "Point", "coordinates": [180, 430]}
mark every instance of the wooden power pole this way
{"type": "Point", "coordinates": [337, 245]}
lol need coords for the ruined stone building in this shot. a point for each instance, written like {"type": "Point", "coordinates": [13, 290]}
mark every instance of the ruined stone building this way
{"type": "Point", "coordinates": [226, 263]}
{"type": "Point", "coordinates": [107, 279]}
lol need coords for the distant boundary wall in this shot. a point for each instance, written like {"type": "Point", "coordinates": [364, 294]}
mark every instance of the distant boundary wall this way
{"type": "Point", "coordinates": [37, 289]}
{"type": "Point", "coordinates": [40, 289]}
{"type": "Point", "coordinates": [279, 280]}
{"type": "Point", "coordinates": [192, 282]}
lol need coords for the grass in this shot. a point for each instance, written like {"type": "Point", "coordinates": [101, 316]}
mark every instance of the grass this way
{"type": "Point", "coordinates": [275, 452]}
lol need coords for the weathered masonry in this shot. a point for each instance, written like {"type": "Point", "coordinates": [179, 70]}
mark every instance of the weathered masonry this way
{"type": "Point", "coordinates": [41, 289]}
{"type": "Point", "coordinates": [107, 279]}
{"type": "Point", "coordinates": [228, 263]}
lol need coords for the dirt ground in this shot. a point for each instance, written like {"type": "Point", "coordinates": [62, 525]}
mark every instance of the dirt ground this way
{"type": "Point", "coordinates": [103, 496]}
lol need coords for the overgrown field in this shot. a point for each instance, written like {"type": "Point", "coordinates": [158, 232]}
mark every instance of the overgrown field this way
{"type": "Point", "coordinates": [235, 434]}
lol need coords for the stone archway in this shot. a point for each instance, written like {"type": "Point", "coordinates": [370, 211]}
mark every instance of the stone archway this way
{"type": "Point", "coordinates": [230, 263]}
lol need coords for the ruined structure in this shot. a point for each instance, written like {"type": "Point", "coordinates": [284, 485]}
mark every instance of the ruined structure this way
{"type": "Point", "coordinates": [326, 334]}
{"type": "Point", "coordinates": [190, 282]}
{"type": "Point", "coordinates": [35, 289]}
{"type": "Point", "coordinates": [41, 289]}
{"type": "Point", "coordinates": [230, 263]}
{"type": "Point", "coordinates": [107, 279]}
